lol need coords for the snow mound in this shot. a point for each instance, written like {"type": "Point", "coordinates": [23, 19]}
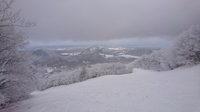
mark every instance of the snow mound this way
{"type": "Point", "coordinates": [141, 91]}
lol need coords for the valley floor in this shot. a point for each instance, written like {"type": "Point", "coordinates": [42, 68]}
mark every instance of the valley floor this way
{"type": "Point", "coordinates": [141, 91]}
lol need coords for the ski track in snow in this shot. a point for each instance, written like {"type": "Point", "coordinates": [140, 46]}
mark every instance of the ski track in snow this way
{"type": "Point", "coordinates": [141, 91]}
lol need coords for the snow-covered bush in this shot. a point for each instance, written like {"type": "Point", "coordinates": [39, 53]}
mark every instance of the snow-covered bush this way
{"type": "Point", "coordinates": [107, 69]}
{"type": "Point", "coordinates": [185, 51]}
{"type": "Point", "coordinates": [62, 78]}
{"type": "Point", "coordinates": [81, 74]}
{"type": "Point", "coordinates": [153, 61]}
{"type": "Point", "coordinates": [187, 48]}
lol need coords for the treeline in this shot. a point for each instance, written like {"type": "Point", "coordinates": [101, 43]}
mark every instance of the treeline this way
{"type": "Point", "coordinates": [81, 74]}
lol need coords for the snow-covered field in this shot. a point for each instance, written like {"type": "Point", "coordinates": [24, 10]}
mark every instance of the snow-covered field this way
{"type": "Point", "coordinates": [141, 91]}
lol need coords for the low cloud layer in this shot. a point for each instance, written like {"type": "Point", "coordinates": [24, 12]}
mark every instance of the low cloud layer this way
{"type": "Point", "coordinates": [83, 20]}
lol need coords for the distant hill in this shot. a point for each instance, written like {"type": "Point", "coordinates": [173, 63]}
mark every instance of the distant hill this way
{"type": "Point", "coordinates": [74, 57]}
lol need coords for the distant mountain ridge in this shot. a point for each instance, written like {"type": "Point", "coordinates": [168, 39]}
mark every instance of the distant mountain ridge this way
{"type": "Point", "coordinates": [90, 55]}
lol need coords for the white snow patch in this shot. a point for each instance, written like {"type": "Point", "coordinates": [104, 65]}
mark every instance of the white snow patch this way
{"type": "Point", "coordinates": [109, 56]}
{"type": "Point", "coordinates": [61, 49]}
{"type": "Point", "coordinates": [49, 70]}
{"type": "Point", "coordinates": [142, 91]}
{"type": "Point", "coordinates": [70, 54]}
{"type": "Point", "coordinates": [129, 56]}
{"type": "Point", "coordinates": [121, 55]}
{"type": "Point", "coordinates": [116, 48]}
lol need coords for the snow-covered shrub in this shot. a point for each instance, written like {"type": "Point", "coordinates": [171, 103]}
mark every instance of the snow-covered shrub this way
{"type": "Point", "coordinates": [152, 61]}
{"type": "Point", "coordinates": [62, 78]}
{"type": "Point", "coordinates": [81, 74]}
{"type": "Point", "coordinates": [185, 51]}
{"type": "Point", "coordinates": [107, 69]}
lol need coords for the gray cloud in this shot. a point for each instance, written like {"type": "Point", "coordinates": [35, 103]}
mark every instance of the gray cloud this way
{"type": "Point", "coordinates": [83, 20]}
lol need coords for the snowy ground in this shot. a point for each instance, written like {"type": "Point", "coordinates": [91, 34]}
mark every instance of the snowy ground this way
{"type": "Point", "coordinates": [141, 91]}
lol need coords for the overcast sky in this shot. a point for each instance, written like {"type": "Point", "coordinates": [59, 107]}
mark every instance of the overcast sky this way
{"type": "Point", "coordinates": [82, 21]}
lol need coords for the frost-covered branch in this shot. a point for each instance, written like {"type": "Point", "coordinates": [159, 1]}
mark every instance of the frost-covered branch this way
{"type": "Point", "coordinates": [16, 71]}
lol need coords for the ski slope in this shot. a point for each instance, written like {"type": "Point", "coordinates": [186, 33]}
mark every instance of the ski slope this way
{"type": "Point", "coordinates": [142, 91]}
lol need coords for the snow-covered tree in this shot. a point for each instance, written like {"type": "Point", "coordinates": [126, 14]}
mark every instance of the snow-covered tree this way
{"type": "Point", "coordinates": [16, 69]}
{"type": "Point", "coordinates": [187, 48]}
{"type": "Point", "coordinates": [185, 51]}
{"type": "Point", "coordinates": [151, 61]}
{"type": "Point", "coordinates": [83, 74]}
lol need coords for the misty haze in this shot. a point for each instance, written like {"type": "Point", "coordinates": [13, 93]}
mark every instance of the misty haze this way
{"type": "Point", "coordinates": [99, 55]}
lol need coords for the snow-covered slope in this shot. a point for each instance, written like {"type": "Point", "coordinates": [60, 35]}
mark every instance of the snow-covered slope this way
{"type": "Point", "coordinates": [142, 91]}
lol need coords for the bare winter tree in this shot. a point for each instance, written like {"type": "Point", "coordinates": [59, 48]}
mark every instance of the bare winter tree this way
{"type": "Point", "coordinates": [16, 69]}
